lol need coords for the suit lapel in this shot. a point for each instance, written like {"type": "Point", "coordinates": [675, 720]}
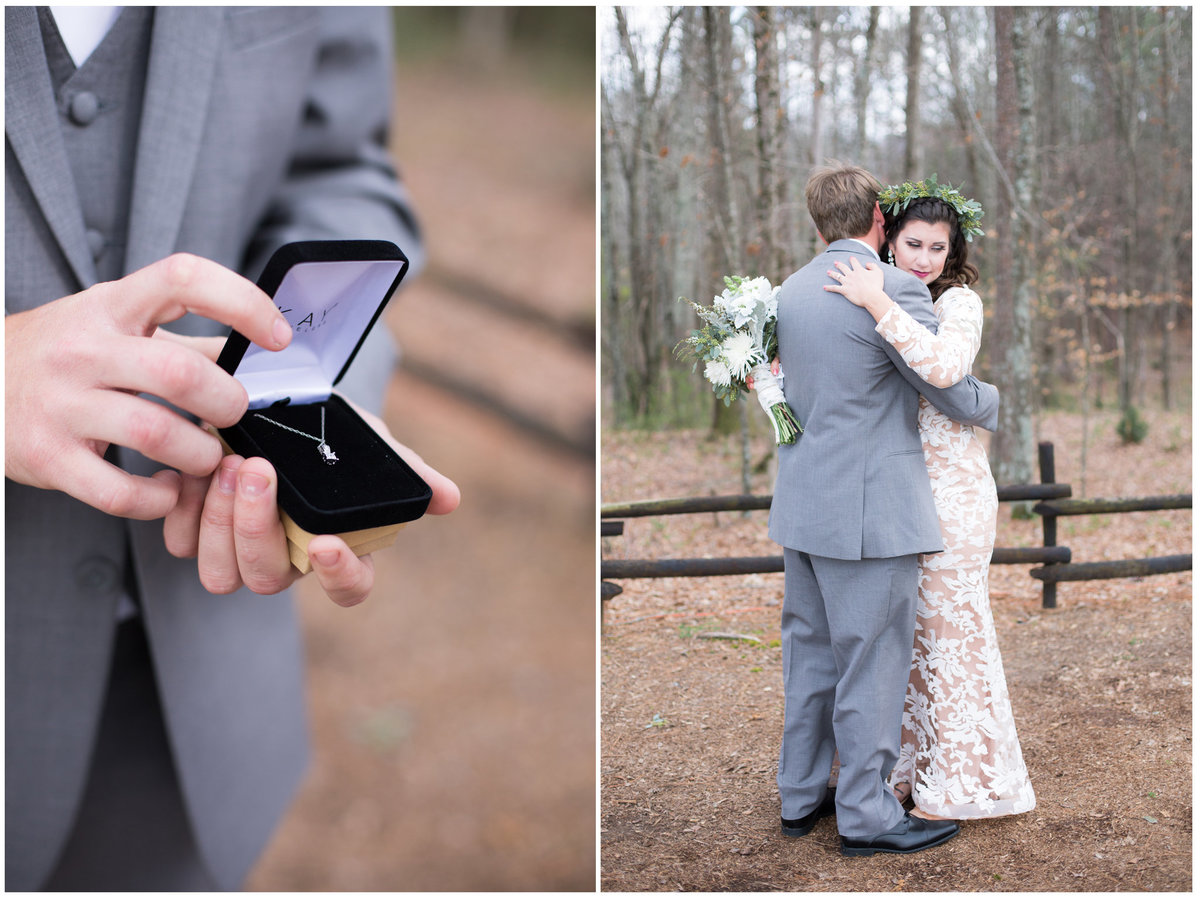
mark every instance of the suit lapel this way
{"type": "Point", "coordinates": [34, 133]}
{"type": "Point", "coordinates": [179, 80]}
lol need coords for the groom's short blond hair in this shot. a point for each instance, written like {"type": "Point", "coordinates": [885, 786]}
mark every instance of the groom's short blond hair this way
{"type": "Point", "coordinates": [841, 200]}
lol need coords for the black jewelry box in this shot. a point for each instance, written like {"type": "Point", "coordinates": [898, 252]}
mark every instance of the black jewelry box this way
{"type": "Point", "coordinates": [336, 474]}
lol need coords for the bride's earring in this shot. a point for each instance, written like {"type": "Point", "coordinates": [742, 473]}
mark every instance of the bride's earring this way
{"type": "Point", "coordinates": [891, 259]}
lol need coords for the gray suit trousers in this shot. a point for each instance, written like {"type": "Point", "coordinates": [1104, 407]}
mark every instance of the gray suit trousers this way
{"type": "Point", "coordinates": [132, 831]}
{"type": "Point", "coordinates": [847, 645]}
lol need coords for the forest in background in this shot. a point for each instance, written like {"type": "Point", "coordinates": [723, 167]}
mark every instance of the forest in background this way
{"type": "Point", "coordinates": [1071, 125]}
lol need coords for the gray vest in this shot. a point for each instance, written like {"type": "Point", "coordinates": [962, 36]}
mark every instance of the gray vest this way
{"type": "Point", "coordinates": [100, 110]}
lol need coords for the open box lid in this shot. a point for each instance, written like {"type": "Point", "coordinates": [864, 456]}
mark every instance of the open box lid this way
{"type": "Point", "coordinates": [331, 292]}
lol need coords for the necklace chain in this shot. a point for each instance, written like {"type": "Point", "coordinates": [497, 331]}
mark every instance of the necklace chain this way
{"type": "Point", "coordinates": [318, 439]}
{"type": "Point", "coordinates": [322, 446]}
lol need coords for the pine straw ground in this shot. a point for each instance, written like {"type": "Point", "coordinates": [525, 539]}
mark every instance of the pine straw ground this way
{"type": "Point", "coordinates": [1101, 688]}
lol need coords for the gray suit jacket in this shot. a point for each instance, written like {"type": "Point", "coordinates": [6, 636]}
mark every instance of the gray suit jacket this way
{"type": "Point", "coordinates": [259, 126]}
{"type": "Point", "coordinates": [854, 484]}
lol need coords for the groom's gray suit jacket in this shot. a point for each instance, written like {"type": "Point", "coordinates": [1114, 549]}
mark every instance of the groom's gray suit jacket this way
{"type": "Point", "coordinates": [854, 485]}
{"type": "Point", "coordinates": [258, 127]}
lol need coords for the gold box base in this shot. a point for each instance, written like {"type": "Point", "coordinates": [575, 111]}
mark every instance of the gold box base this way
{"type": "Point", "coordinates": [361, 541]}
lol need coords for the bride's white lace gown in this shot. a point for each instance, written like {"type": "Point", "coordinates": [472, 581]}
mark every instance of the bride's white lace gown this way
{"type": "Point", "coordinates": [959, 747]}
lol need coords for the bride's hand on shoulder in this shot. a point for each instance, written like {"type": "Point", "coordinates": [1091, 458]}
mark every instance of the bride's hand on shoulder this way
{"type": "Point", "coordinates": [862, 286]}
{"type": "Point", "coordinates": [855, 282]}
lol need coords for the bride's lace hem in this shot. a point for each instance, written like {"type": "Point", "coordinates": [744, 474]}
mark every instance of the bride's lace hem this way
{"type": "Point", "coordinates": [968, 802]}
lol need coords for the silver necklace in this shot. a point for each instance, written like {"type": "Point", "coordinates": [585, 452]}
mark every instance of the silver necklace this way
{"type": "Point", "coordinates": [327, 454]}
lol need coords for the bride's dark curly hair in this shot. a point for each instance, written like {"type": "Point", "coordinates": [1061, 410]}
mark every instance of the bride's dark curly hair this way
{"type": "Point", "coordinates": [958, 271]}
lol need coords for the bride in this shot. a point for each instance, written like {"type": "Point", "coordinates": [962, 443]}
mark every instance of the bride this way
{"type": "Point", "coordinates": [959, 756]}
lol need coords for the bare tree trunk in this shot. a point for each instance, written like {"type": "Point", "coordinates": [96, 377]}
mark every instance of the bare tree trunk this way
{"type": "Point", "coordinates": [862, 87]}
{"type": "Point", "coordinates": [1012, 446]}
{"type": "Point", "coordinates": [613, 354]}
{"type": "Point", "coordinates": [1170, 199]}
{"type": "Point", "coordinates": [744, 429]}
{"type": "Point", "coordinates": [1170, 315]}
{"type": "Point", "coordinates": [816, 155]}
{"type": "Point", "coordinates": [1025, 184]}
{"type": "Point", "coordinates": [662, 183]}
{"type": "Point", "coordinates": [725, 419]}
{"type": "Point", "coordinates": [769, 130]}
{"type": "Point", "coordinates": [487, 35]}
{"type": "Point", "coordinates": [1085, 405]}
{"type": "Point", "coordinates": [643, 284]}
{"type": "Point", "coordinates": [1123, 118]}
{"type": "Point", "coordinates": [633, 166]}
{"type": "Point", "coordinates": [817, 20]}
{"type": "Point", "coordinates": [723, 218]}
{"type": "Point", "coordinates": [958, 103]}
{"type": "Point", "coordinates": [688, 275]}
{"type": "Point", "coordinates": [914, 162]}
{"type": "Point", "coordinates": [1003, 242]}
{"type": "Point", "coordinates": [1051, 124]}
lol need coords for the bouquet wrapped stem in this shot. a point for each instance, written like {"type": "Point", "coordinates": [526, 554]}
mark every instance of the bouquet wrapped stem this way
{"type": "Point", "coordinates": [770, 395]}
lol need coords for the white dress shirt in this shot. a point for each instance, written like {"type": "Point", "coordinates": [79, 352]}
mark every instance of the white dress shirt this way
{"type": "Point", "coordinates": [83, 27]}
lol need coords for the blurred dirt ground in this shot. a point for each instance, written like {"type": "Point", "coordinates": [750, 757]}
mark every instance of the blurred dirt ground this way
{"type": "Point", "coordinates": [454, 712]}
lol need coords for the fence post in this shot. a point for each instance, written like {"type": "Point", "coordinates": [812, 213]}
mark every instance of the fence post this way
{"type": "Point", "coordinates": [1049, 521]}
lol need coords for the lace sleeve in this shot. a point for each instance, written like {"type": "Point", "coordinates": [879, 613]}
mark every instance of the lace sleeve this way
{"type": "Point", "coordinates": [944, 358]}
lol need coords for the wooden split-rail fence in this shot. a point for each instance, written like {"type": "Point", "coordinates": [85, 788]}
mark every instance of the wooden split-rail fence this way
{"type": "Point", "coordinates": [1053, 501]}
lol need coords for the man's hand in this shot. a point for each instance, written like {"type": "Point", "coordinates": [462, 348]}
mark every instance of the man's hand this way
{"type": "Point", "coordinates": [73, 368]}
{"type": "Point", "coordinates": [230, 523]}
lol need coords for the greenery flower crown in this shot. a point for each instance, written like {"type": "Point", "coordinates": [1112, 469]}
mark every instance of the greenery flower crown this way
{"type": "Point", "coordinates": [894, 199]}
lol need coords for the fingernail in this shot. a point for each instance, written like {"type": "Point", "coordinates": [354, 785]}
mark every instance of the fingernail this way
{"type": "Point", "coordinates": [325, 558]}
{"type": "Point", "coordinates": [281, 331]}
{"type": "Point", "coordinates": [226, 480]}
{"type": "Point", "coordinates": [254, 484]}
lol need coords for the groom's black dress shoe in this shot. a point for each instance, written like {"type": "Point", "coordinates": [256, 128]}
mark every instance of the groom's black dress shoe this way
{"type": "Point", "coordinates": [798, 828]}
{"type": "Point", "coordinates": [911, 834]}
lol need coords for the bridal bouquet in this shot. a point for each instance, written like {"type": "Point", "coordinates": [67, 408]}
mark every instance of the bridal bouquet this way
{"type": "Point", "coordinates": [738, 340]}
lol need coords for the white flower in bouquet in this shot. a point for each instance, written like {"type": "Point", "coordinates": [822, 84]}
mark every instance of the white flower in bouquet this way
{"type": "Point", "coordinates": [771, 300]}
{"type": "Point", "coordinates": [740, 353]}
{"type": "Point", "coordinates": [718, 372]}
{"type": "Point", "coordinates": [743, 305]}
{"type": "Point", "coordinates": [766, 295]}
{"type": "Point", "coordinates": [737, 339]}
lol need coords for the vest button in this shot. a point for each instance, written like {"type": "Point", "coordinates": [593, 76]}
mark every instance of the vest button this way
{"type": "Point", "coordinates": [97, 574]}
{"type": "Point", "coordinates": [84, 107]}
{"type": "Point", "coordinates": [97, 242]}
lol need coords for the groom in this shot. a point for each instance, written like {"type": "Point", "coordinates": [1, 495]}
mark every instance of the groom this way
{"type": "Point", "coordinates": [853, 508]}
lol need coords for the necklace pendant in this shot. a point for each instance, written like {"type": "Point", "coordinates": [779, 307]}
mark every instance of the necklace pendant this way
{"type": "Point", "coordinates": [327, 454]}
